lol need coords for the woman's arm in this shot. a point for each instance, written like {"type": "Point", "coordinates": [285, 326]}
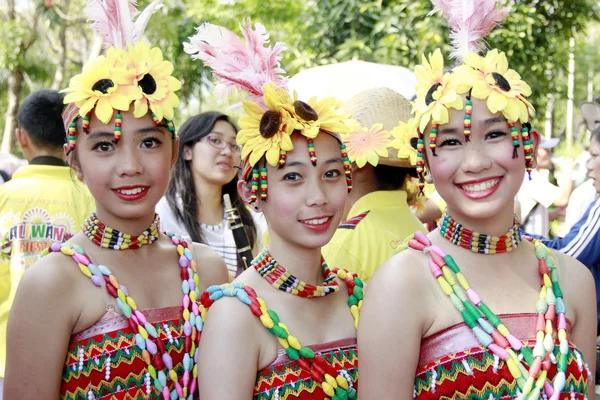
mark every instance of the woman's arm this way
{"type": "Point", "coordinates": [211, 267]}
{"type": "Point", "coordinates": [229, 352]}
{"type": "Point", "coordinates": [39, 328]}
{"type": "Point", "coordinates": [392, 322]}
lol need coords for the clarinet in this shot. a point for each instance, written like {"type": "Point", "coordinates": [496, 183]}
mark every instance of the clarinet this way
{"type": "Point", "coordinates": [244, 249]}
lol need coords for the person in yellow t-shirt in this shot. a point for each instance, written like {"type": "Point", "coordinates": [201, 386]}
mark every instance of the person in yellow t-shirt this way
{"type": "Point", "coordinates": [383, 159]}
{"type": "Point", "coordinates": [42, 203]}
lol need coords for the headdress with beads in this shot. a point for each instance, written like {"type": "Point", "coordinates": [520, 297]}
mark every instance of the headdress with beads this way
{"type": "Point", "coordinates": [130, 72]}
{"type": "Point", "coordinates": [272, 114]}
{"type": "Point", "coordinates": [484, 77]}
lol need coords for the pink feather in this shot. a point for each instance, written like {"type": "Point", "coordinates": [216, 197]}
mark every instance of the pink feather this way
{"type": "Point", "coordinates": [237, 64]}
{"type": "Point", "coordinates": [470, 21]}
{"type": "Point", "coordinates": [113, 20]}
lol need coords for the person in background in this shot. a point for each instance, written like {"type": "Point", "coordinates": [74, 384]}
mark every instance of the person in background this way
{"type": "Point", "coordinates": [206, 170]}
{"type": "Point", "coordinates": [42, 203]}
{"type": "Point", "coordinates": [379, 218]}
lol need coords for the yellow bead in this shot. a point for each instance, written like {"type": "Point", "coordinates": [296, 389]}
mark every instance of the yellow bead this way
{"type": "Point", "coordinates": [294, 342]}
{"type": "Point", "coordinates": [354, 311]}
{"type": "Point", "coordinates": [541, 380]}
{"type": "Point", "coordinates": [185, 392]}
{"type": "Point", "coordinates": [342, 382]}
{"type": "Point", "coordinates": [332, 382]}
{"type": "Point", "coordinates": [203, 313]}
{"type": "Point", "coordinates": [173, 375]}
{"type": "Point", "coordinates": [186, 315]}
{"type": "Point", "coordinates": [142, 331]}
{"type": "Point", "coordinates": [360, 302]}
{"type": "Point", "coordinates": [261, 302]}
{"type": "Point", "coordinates": [180, 249]}
{"type": "Point", "coordinates": [562, 334]}
{"type": "Point", "coordinates": [549, 328]}
{"type": "Point", "coordinates": [193, 296]}
{"type": "Point", "coordinates": [341, 274]}
{"type": "Point", "coordinates": [267, 321]}
{"type": "Point", "coordinates": [543, 292]}
{"type": "Point", "coordinates": [503, 330]}
{"type": "Point", "coordinates": [446, 288]}
{"type": "Point", "coordinates": [152, 371]}
{"type": "Point", "coordinates": [281, 325]}
{"type": "Point", "coordinates": [85, 270]}
{"type": "Point", "coordinates": [131, 303]}
{"type": "Point", "coordinates": [462, 281]}
{"type": "Point", "coordinates": [327, 389]}
{"type": "Point", "coordinates": [67, 251]}
{"type": "Point", "coordinates": [121, 294]}
{"type": "Point", "coordinates": [528, 385]}
{"type": "Point", "coordinates": [284, 343]}
{"type": "Point", "coordinates": [539, 337]}
{"type": "Point", "coordinates": [195, 371]}
{"type": "Point", "coordinates": [513, 368]}
{"type": "Point", "coordinates": [547, 281]}
{"type": "Point", "coordinates": [448, 275]}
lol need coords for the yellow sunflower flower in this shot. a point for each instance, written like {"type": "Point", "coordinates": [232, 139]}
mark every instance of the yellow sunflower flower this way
{"type": "Point", "coordinates": [433, 107]}
{"type": "Point", "coordinates": [151, 75]}
{"type": "Point", "coordinates": [403, 134]}
{"type": "Point", "coordinates": [367, 145]}
{"type": "Point", "coordinates": [315, 116]}
{"type": "Point", "coordinates": [100, 86]}
{"type": "Point", "coordinates": [429, 73]}
{"type": "Point", "coordinates": [489, 78]}
{"type": "Point", "coordinates": [266, 133]}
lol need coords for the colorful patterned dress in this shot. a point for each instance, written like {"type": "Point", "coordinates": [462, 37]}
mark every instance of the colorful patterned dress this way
{"type": "Point", "coordinates": [284, 379]}
{"type": "Point", "coordinates": [104, 362]}
{"type": "Point", "coordinates": [454, 365]}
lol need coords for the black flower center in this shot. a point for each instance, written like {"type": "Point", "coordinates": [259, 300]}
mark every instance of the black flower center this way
{"type": "Point", "coordinates": [148, 84]}
{"type": "Point", "coordinates": [429, 97]}
{"type": "Point", "coordinates": [103, 85]}
{"type": "Point", "coordinates": [269, 124]}
{"type": "Point", "coordinates": [501, 81]}
{"type": "Point", "coordinates": [413, 142]}
{"type": "Point", "coordinates": [305, 111]}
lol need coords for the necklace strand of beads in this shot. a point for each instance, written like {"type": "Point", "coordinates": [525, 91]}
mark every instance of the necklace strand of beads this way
{"type": "Point", "coordinates": [109, 238]}
{"type": "Point", "coordinates": [159, 363]}
{"type": "Point", "coordinates": [476, 242]}
{"type": "Point", "coordinates": [495, 336]}
{"type": "Point", "coordinates": [333, 382]}
{"type": "Point", "coordinates": [281, 279]}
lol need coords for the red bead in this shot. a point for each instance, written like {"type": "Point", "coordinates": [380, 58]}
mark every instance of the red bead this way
{"type": "Point", "coordinates": [160, 345]}
{"type": "Point", "coordinates": [111, 290]}
{"type": "Point", "coordinates": [500, 340]}
{"type": "Point", "coordinates": [304, 364]}
{"type": "Point", "coordinates": [157, 362]}
{"type": "Point", "coordinates": [184, 274]}
{"type": "Point", "coordinates": [133, 325]}
{"type": "Point", "coordinates": [187, 344]}
{"type": "Point", "coordinates": [315, 375]}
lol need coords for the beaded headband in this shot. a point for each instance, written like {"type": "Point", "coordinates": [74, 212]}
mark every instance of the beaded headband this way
{"type": "Point", "coordinates": [130, 72]}
{"type": "Point", "coordinates": [487, 78]}
{"type": "Point", "coordinates": [272, 115]}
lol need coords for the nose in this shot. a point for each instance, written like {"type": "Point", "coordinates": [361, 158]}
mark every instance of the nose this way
{"type": "Point", "coordinates": [316, 196]}
{"type": "Point", "coordinates": [476, 158]}
{"type": "Point", "coordinates": [129, 163]}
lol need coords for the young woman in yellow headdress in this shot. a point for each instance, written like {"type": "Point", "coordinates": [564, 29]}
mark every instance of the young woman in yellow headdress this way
{"type": "Point", "coordinates": [135, 334]}
{"type": "Point", "coordinates": [474, 309]}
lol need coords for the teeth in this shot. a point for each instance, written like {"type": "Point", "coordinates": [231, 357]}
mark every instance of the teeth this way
{"type": "Point", "coordinates": [132, 191]}
{"type": "Point", "coordinates": [478, 187]}
{"type": "Point", "coordinates": [316, 221]}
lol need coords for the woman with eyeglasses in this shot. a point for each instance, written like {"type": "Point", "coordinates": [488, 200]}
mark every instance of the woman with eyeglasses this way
{"type": "Point", "coordinates": [206, 170]}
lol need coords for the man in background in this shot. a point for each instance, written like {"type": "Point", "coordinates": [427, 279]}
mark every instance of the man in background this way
{"type": "Point", "coordinates": [41, 204]}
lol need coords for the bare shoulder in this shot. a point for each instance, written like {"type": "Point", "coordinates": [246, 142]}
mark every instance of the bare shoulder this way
{"type": "Point", "coordinates": [572, 273]}
{"type": "Point", "coordinates": [211, 267]}
{"type": "Point", "coordinates": [405, 270]}
{"type": "Point", "coordinates": [52, 275]}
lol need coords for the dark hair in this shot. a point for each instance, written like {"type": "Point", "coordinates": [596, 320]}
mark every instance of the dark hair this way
{"type": "Point", "coordinates": [40, 116]}
{"type": "Point", "coordinates": [182, 182]}
{"type": "Point", "coordinates": [392, 178]}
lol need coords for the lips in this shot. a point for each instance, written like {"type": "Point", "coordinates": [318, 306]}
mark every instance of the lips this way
{"type": "Point", "coordinates": [131, 193]}
{"type": "Point", "coordinates": [224, 165]}
{"type": "Point", "coordinates": [480, 188]}
{"type": "Point", "coordinates": [317, 224]}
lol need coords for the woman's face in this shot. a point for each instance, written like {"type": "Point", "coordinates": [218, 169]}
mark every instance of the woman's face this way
{"type": "Point", "coordinates": [128, 178]}
{"type": "Point", "coordinates": [593, 165]}
{"type": "Point", "coordinates": [212, 159]}
{"type": "Point", "coordinates": [305, 203]}
{"type": "Point", "coordinates": [480, 178]}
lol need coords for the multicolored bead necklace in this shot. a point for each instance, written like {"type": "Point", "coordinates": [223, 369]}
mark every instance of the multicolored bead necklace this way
{"type": "Point", "coordinates": [495, 336]}
{"type": "Point", "coordinates": [479, 242]}
{"type": "Point", "coordinates": [281, 279]}
{"type": "Point", "coordinates": [109, 238]}
{"type": "Point", "coordinates": [159, 362]}
{"type": "Point", "coordinates": [333, 383]}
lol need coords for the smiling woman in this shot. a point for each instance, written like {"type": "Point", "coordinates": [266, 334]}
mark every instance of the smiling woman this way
{"type": "Point", "coordinates": [136, 322]}
{"type": "Point", "coordinates": [205, 170]}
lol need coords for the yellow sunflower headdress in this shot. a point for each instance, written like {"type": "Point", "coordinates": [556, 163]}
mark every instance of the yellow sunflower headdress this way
{"type": "Point", "coordinates": [487, 78]}
{"type": "Point", "coordinates": [272, 114]}
{"type": "Point", "coordinates": [130, 72]}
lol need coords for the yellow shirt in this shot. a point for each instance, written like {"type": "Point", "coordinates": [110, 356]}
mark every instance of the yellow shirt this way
{"type": "Point", "coordinates": [380, 222]}
{"type": "Point", "coordinates": [40, 205]}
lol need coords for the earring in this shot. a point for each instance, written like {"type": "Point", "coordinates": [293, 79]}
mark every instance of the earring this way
{"type": "Point", "coordinates": [256, 208]}
{"type": "Point", "coordinates": [429, 179]}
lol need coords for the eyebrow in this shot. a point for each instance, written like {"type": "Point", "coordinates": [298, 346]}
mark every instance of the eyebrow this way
{"type": "Point", "coordinates": [334, 160]}
{"type": "Point", "coordinates": [493, 120]}
{"type": "Point", "coordinates": [448, 131]}
{"type": "Point", "coordinates": [111, 134]}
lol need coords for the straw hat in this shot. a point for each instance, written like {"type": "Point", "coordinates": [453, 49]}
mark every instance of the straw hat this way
{"type": "Point", "coordinates": [381, 106]}
{"type": "Point", "coordinates": [590, 111]}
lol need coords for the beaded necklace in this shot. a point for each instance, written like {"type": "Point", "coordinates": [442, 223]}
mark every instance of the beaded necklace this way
{"type": "Point", "coordinates": [281, 279]}
{"type": "Point", "coordinates": [481, 243]}
{"type": "Point", "coordinates": [333, 383]}
{"type": "Point", "coordinates": [109, 238]}
{"type": "Point", "coordinates": [159, 362]}
{"type": "Point", "coordinates": [495, 336]}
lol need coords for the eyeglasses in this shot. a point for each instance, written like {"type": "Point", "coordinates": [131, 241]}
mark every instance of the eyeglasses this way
{"type": "Point", "coordinates": [217, 142]}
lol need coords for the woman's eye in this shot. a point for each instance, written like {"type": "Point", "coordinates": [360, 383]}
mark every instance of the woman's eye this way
{"type": "Point", "coordinates": [103, 146]}
{"type": "Point", "coordinates": [450, 142]}
{"type": "Point", "coordinates": [292, 176]}
{"type": "Point", "coordinates": [334, 173]}
{"type": "Point", "coordinates": [214, 140]}
{"type": "Point", "coordinates": [150, 142]}
{"type": "Point", "coordinates": [496, 134]}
